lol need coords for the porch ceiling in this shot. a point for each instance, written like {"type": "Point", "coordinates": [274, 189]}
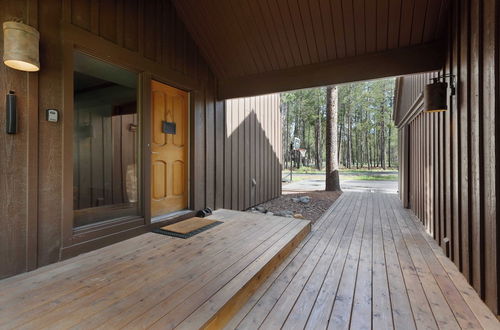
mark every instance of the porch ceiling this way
{"type": "Point", "coordinates": [263, 46]}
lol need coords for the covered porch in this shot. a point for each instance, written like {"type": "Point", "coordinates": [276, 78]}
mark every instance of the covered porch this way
{"type": "Point", "coordinates": [367, 263]}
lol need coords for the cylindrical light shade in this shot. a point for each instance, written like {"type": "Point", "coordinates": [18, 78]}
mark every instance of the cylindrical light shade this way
{"type": "Point", "coordinates": [435, 97]}
{"type": "Point", "coordinates": [20, 46]}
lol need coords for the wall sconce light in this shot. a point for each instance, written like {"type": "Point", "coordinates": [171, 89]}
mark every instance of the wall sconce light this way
{"type": "Point", "coordinates": [11, 111]}
{"type": "Point", "coordinates": [435, 94]}
{"type": "Point", "coordinates": [21, 46]}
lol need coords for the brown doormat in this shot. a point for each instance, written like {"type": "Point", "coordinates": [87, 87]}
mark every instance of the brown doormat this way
{"type": "Point", "coordinates": [187, 228]}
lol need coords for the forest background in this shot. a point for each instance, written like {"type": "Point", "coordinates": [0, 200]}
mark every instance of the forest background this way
{"type": "Point", "coordinates": [366, 135]}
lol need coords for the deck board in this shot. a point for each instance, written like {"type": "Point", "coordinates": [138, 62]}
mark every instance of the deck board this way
{"type": "Point", "coordinates": [368, 263]}
{"type": "Point", "coordinates": [151, 280]}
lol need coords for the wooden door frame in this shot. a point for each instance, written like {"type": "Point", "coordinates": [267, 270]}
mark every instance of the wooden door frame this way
{"type": "Point", "coordinates": [147, 95]}
{"type": "Point", "coordinates": [76, 241]}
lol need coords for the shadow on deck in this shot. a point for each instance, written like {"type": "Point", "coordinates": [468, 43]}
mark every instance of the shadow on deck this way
{"type": "Point", "coordinates": [366, 264]}
{"type": "Point", "coordinates": [154, 280]}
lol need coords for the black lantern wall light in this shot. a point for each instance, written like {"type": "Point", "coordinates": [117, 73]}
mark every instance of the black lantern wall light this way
{"type": "Point", "coordinates": [436, 93]}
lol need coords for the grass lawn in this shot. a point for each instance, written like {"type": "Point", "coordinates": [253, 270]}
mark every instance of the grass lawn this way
{"type": "Point", "coordinates": [354, 170]}
{"type": "Point", "coordinates": [389, 177]}
{"type": "Point", "coordinates": [346, 175]}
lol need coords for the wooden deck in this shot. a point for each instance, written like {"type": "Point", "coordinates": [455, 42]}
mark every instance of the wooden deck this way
{"type": "Point", "coordinates": [155, 280]}
{"type": "Point", "coordinates": [366, 264]}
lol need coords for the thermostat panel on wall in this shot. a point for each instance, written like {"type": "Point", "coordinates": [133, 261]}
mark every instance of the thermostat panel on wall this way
{"type": "Point", "coordinates": [52, 115]}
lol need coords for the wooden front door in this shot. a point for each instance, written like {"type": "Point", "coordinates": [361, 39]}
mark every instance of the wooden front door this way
{"type": "Point", "coordinates": [169, 149]}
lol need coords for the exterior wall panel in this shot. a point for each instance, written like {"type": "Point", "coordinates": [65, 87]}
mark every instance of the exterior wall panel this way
{"type": "Point", "coordinates": [36, 184]}
{"type": "Point", "coordinates": [457, 166]}
{"type": "Point", "coordinates": [256, 172]}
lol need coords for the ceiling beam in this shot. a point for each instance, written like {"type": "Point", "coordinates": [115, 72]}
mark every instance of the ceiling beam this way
{"type": "Point", "coordinates": [395, 62]}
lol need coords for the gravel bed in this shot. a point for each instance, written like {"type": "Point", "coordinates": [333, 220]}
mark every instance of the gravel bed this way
{"type": "Point", "coordinates": [319, 202]}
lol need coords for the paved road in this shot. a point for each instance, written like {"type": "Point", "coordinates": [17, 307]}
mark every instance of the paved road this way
{"type": "Point", "coordinates": [316, 183]}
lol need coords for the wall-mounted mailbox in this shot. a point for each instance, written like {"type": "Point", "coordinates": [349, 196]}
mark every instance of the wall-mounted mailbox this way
{"type": "Point", "coordinates": [10, 106]}
{"type": "Point", "coordinates": [52, 115]}
{"type": "Point", "coordinates": [168, 128]}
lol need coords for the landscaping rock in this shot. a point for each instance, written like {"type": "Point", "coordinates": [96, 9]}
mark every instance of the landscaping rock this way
{"type": "Point", "coordinates": [261, 209]}
{"type": "Point", "coordinates": [320, 201]}
{"type": "Point", "coordinates": [285, 213]}
{"type": "Point", "coordinates": [298, 216]}
{"type": "Point", "coordinates": [305, 199]}
{"type": "Point", "coordinates": [302, 199]}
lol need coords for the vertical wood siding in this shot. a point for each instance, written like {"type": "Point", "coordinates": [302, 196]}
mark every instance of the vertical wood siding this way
{"type": "Point", "coordinates": [18, 163]}
{"type": "Point", "coordinates": [150, 38]}
{"type": "Point", "coordinates": [449, 180]}
{"type": "Point", "coordinates": [253, 157]}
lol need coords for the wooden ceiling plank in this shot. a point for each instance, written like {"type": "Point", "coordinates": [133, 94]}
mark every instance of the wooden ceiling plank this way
{"type": "Point", "coordinates": [241, 16]}
{"type": "Point", "coordinates": [394, 62]}
{"type": "Point", "coordinates": [319, 32]}
{"type": "Point", "coordinates": [263, 32]}
{"type": "Point", "coordinates": [238, 63]}
{"type": "Point", "coordinates": [239, 40]}
{"type": "Point", "coordinates": [419, 13]}
{"type": "Point", "coordinates": [338, 26]}
{"type": "Point", "coordinates": [350, 37]}
{"type": "Point", "coordinates": [220, 37]}
{"type": "Point", "coordinates": [382, 24]}
{"type": "Point", "coordinates": [275, 35]}
{"type": "Point", "coordinates": [299, 31]}
{"type": "Point", "coordinates": [406, 23]}
{"type": "Point", "coordinates": [371, 26]}
{"type": "Point", "coordinates": [285, 20]}
{"type": "Point", "coordinates": [431, 20]}
{"type": "Point", "coordinates": [328, 31]}
{"type": "Point", "coordinates": [249, 37]}
{"type": "Point", "coordinates": [394, 23]}
{"type": "Point", "coordinates": [443, 18]}
{"type": "Point", "coordinates": [307, 24]}
{"type": "Point", "coordinates": [195, 30]}
{"type": "Point", "coordinates": [359, 26]}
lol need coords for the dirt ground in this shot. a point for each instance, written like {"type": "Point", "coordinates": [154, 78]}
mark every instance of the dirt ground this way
{"type": "Point", "coordinates": [320, 202]}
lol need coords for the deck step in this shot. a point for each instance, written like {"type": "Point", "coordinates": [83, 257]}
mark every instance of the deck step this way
{"type": "Point", "coordinates": [155, 281]}
{"type": "Point", "coordinates": [227, 301]}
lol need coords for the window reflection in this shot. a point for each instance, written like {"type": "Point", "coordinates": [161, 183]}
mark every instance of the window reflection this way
{"type": "Point", "coordinates": [105, 149]}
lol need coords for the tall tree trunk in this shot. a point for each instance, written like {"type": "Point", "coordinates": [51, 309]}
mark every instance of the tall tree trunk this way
{"type": "Point", "coordinates": [318, 140]}
{"type": "Point", "coordinates": [288, 157]}
{"type": "Point", "coordinates": [340, 155]}
{"type": "Point", "coordinates": [382, 139]}
{"type": "Point", "coordinates": [389, 147]}
{"type": "Point", "coordinates": [367, 151]}
{"type": "Point", "coordinates": [332, 167]}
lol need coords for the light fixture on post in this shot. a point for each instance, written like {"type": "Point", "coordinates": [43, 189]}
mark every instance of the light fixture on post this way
{"type": "Point", "coordinates": [435, 94]}
{"type": "Point", "coordinates": [21, 46]}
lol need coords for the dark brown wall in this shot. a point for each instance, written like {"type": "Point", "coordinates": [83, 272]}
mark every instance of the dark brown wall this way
{"type": "Point", "coordinates": [36, 181]}
{"type": "Point", "coordinates": [253, 151]}
{"type": "Point", "coordinates": [18, 160]}
{"type": "Point", "coordinates": [451, 169]}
